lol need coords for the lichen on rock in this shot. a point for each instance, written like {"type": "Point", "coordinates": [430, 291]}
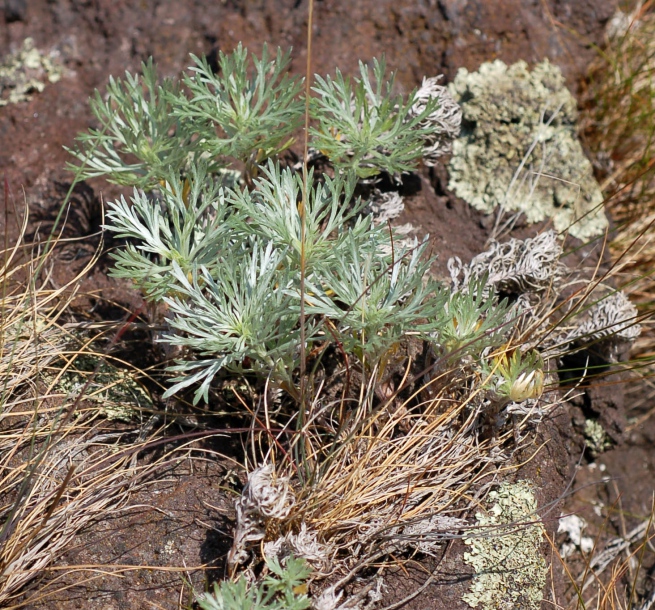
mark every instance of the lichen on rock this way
{"type": "Point", "coordinates": [595, 437]}
{"type": "Point", "coordinates": [26, 71]}
{"type": "Point", "coordinates": [505, 552]}
{"type": "Point", "coordinates": [115, 391]}
{"type": "Point", "coordinates": [518, 148]}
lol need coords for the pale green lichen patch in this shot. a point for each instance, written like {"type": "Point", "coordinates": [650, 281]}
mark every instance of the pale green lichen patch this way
{"type": "Point", "coordinates": [505, 552]}
{"type": "Point", "coordinates": [595, 437]}
{"type": "Point", "coordinates": [518, 148]}
{"type": "Point", "coordinates": [25, 72]}
{"type": "Point", "coordinates": [114, 390]}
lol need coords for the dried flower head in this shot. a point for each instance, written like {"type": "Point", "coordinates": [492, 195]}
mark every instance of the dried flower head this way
{"type": "Point", "coordinates": [443, 124]}
{"type": "Point", "coordinates": [614, 316]}
{"type": "Point", "coordinates": [304, 545]}
{"type": "Point", "coordinates": [514, 267]}
{"type": "Point", "coordinates": [385, 207]}
{"type": "Point", "coordinates": [607, 324]}
{"type": "Point", "coordinates": [266, 496]}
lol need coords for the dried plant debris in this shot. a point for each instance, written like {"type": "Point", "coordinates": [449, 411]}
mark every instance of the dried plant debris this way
{"type": "Point", "coordinates": [514, 267]}
{"type": "Point", "coordinates": [304, 544]}
{"type": "Point", "coordinates": [27, 345]}
{"type": "Point", "coordinates": [266, 496]}
{"type": "Point", "coordinates": [519, 148]}
{"type": "Point", "coordinates": [527, 269]}
{"type": "Point", "coordinates": [510, 570]}
{"type": "Point", "coordinates": [607, 326]}
{"type": "Point", "coordinates": [267, 499]}
{"type": "Point", "coordinates": [426, 535]}
{"type": "Point", "coordinates": [385, 207]}
{"type": "Point", "coordinates": [443, 124]}
{"type": "Point", "coordinates": [25, 72]}
{"type": "Point", "coordinates": [328, 599]}
{"type": "Point", "coordinates": [40, 526]}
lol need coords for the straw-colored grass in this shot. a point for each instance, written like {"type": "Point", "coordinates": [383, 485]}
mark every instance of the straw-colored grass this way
{"type": "Point", "coordinates": [394, 468]}
{"type": "Point", "coordinates": [618, 123]}
{"type": "Point", "coordinates": [60, 468]}
{"type": "Point", "coordinates": [611, 576]}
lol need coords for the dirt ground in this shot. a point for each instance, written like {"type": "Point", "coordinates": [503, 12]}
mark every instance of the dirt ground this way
{"type": "Point", "coordinates": [185, 519]}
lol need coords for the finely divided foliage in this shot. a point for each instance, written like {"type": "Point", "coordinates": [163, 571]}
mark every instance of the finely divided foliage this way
{"type": "Point", "coordinates": [365, 128]}
{"type": "Point", "coordinates": [276, 592]}
{"type": "Point", "coordinates": [247, 265]}
{"type": "Point", "coordinates": [135, 121]}
{"type": "Point", "coordinates": [225, 258]}
{"type": "Point", "coordinates": [235, 115]}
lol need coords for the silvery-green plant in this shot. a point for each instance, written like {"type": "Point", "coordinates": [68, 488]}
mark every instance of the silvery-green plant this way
{"type": "Point", "coordinates": [138, 140]}
{"type": "Point", "coordinates": [385, 298]}
{"type": "Point", "coordinates": [278, 590]}
{"type": "Point", "coordinates": [470, 320]}
{"type": "Point", "coordinates": [235, 264]}
{"type": "Point", "coordinates": [234, 113]}
{"type": "Point", "coordinates": [245, 313]}
{"type": "Point", "coordinates": [363, 127]}
{"type": "Point", "coordinates": [186, 224]}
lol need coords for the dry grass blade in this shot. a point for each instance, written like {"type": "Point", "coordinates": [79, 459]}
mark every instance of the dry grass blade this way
{"type": "Point", "coordinates": [619, 126]}
{"type": "Point", "coordinates": [57, 475]}
{"type": "Point", "coordinates": [400, 473]}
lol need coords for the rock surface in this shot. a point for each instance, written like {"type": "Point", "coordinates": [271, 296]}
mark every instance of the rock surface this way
{"type": "Point", "coordinates": [95, 38]}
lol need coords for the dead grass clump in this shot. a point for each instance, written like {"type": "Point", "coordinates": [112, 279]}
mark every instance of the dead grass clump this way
{"type": "Point", "coordinates": [619, 127]}
{"type": "Point", "coordinates": [56, 492]}
{"type": "Point", "coordinates": [614, 573]}
{"type": "Point", "coordinates": [397, 474]}
{"type": "Point", "coordinates": [59, 469]}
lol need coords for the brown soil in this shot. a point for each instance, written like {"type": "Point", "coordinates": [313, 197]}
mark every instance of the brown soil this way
{"type": "Point", "coordinates": [185, 518]}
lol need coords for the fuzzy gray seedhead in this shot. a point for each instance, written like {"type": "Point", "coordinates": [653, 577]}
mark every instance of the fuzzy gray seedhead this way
{"type": "Point", "coordinates": [514, 267]}
{"type": "Point", "coordinates": [443, 124]}
{"type": "Point", "coordinates": [266, 496]}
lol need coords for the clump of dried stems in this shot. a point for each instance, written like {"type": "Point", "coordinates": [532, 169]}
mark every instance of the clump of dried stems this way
{"type": "Point", "coordinates": [619, 127]}
{"type": "Point", "coordinates": [60, 470]}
